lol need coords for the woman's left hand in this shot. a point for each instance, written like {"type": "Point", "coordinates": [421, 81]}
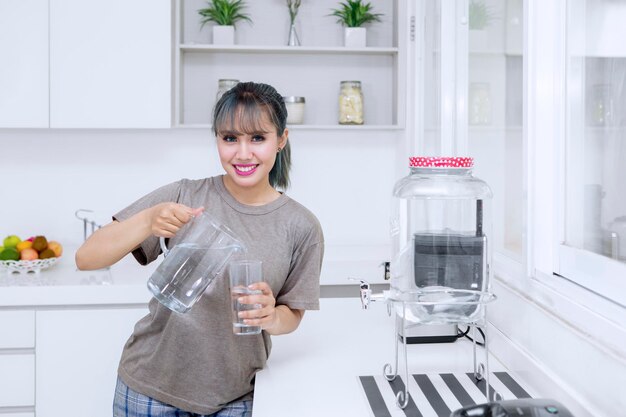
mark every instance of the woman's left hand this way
{"type": "Point", "coordinates": [264, 316]}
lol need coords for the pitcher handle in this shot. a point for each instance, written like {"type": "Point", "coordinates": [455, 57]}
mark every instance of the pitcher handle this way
{"type": "Point", "coordinates": [163, 246]}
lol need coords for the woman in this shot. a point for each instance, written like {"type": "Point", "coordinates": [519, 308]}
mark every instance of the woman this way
{"type": "Point", "coordinates": [192, 364]}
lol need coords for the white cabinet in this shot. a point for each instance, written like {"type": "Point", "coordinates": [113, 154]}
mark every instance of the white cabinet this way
{"type": "Point", "coordinates": [17, 359]}
{"type": "Point", "coordinates": [24, 68]}
{"type": "Point", "coordinates": [77, 352]}
{"type": "Point", "coordinates": [77, 64]}
{"type": "Point", "coordinates": [110, 64]}
{"type": "Point", "coordinates": [313, 70]}
{"type": "Point", "coordinates": [17, 380]}
{"type": "Point", "coordinates": [17, 330]}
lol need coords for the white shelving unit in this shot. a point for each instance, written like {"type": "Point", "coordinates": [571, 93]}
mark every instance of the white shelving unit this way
{"type": "Point", "coordinates": [338, 170]}
{"type": "Point", "coordinates": [313, 70]}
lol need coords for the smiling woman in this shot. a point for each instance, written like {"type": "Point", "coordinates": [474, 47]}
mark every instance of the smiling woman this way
{"type": "Point", "coordinates": [250, 123]}
{"type": "Point", "coordinates": [193, 363]}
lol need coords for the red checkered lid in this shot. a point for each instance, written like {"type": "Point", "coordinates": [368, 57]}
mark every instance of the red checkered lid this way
{"type": "Point", "coordinates": [441, 162]}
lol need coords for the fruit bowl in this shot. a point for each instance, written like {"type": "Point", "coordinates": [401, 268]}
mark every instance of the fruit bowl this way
{"type": "Point", "coordinates": [28, 266]}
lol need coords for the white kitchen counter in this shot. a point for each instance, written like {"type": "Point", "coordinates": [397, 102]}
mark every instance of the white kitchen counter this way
{"type": "Point", "coordinates": [313, 371]}
{"type": "Point", "coordinates": [64, 285]}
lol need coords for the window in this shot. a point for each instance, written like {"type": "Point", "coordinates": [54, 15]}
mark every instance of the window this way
{"type": "Point", "coordinates": [494, 115]}
{"type": "Point", "coordinates": [592, 251]}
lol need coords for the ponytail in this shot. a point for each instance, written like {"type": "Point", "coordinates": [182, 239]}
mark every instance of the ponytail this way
{"type": "Point", "coordinates": [279, 175]}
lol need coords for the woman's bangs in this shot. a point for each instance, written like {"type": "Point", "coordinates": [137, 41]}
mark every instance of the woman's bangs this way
{"type": "Point", "coordinates": [248, 118]}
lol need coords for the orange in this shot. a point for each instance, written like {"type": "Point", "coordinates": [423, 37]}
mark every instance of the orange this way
{"type": "Point", "coordinates": [26, 244]}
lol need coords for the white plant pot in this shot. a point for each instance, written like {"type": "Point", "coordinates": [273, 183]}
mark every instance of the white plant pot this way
{"type": "Point", "coordinates": [354, 37]}
{"type": "Point", "coordinates": [478, 40]}
{"type": "Point", "coordinates": [223, 35]}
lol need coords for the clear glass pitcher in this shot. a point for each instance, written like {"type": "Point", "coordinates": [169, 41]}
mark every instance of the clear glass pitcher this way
{"type": "Point", "coordinates": [205, 247]}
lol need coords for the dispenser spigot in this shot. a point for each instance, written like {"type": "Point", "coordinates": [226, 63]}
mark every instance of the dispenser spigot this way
{"type": "Point", "coordinates": [366, 292]}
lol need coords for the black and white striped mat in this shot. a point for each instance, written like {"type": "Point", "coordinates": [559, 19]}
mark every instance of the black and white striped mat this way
{"type": "Point", "coordinates": [436, 395]}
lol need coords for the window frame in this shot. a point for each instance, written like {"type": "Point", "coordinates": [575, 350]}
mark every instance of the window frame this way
{"type": "Point", "coordinates": [598, 274]}
{"type": "Point", "coordinates": [538, 279]}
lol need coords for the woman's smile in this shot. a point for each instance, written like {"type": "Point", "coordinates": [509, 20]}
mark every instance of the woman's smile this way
{"type": "Point", "coordinates": [245, 169]}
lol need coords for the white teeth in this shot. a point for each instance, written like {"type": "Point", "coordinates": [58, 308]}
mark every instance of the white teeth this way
{"type": "Point", "coordinates": [245, 169]}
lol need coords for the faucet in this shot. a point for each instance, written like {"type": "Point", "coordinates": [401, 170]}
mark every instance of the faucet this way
{"type": "Point", "coordinates": [366, 292]}
{"type": "Point", "coordinates": [86, 221]}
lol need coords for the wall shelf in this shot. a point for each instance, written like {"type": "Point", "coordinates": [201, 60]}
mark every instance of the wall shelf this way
{"type": "Point", "coordinates": [311, 127]}
{"type": "Point", "coordinates": [198, 47]}
{"type": "Point", "coordinates": [489, 129]}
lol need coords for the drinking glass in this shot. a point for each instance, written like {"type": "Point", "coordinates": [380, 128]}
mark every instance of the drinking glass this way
{"type": "Point", "coordinates": [242, 274]}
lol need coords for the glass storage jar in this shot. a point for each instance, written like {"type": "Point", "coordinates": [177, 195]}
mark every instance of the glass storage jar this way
{"type": "Point", "coordinates": [440, 226]}
{"type": "Point", "coordinates": [479, 104]}
{"type": "Point", "coordinates": [350, 103]}
{"type": "Point", "coordinates": [223, 85]}
{"type": "Point", "coordinates": [295, 109]}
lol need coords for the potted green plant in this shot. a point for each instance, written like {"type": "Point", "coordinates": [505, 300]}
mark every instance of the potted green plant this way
{"type": "Point", "coordinates": [225, 13]}
{"type": "Point", "coordinates": [480, 15]}
{"type": "Point", "coordinates": [353, 14]}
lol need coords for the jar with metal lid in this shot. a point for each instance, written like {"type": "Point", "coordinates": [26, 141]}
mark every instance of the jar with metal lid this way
{"type": "Point", "coordinates": [440, 228]}
{"type": "Point", "coordinates": [295, 109]}
{"type": "Point", "coordinates": [350, 103]}
{"type": "Point", "coordinates": [223, 85]}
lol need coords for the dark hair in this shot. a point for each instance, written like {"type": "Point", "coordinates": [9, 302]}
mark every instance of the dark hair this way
{"type": "Point", "coordinates": [246, 102]}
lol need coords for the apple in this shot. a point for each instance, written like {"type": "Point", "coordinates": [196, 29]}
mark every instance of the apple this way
{"type": "Point", "coordinates": [29, 254]}
{"type": "Point", "coordinates": [11, 241]}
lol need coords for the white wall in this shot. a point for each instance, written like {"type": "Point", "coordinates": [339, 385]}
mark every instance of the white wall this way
{"type": "Point", "coordinates": [344, 177]}
{"type": "Point", "coordinates": [51, 173]}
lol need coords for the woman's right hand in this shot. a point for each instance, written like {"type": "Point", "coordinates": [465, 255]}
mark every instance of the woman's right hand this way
{"type": "Point", "coordinates": [115, 240]}
{"type": "Point", "coordinates": [166, 219]}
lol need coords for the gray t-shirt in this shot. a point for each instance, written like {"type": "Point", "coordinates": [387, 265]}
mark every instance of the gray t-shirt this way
{"type": "Point", "coordinates": [193, 361]}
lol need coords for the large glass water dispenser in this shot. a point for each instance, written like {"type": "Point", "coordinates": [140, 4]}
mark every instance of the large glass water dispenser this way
{"type": "Point", "coordinates": [440, 230]}
{"type": "Point", "coordinates": [440, 266]}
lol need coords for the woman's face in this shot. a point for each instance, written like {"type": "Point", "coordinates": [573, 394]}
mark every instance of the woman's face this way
{"type": "Point", "coordinates": [248, 157]}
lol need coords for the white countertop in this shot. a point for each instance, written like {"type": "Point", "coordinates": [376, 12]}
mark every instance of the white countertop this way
{"type": "Point", "coordinates": [314, 371]}
{"type": "Point", "coordinates": [125, 282]}
{"type": "Point", "coordinates": [64, 285]}
{"type": "Point", "coordinates": [311, 372]}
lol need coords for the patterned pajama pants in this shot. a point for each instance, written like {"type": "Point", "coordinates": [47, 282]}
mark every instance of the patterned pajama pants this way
{"type": "Point", "coordinates": [129, 403]}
